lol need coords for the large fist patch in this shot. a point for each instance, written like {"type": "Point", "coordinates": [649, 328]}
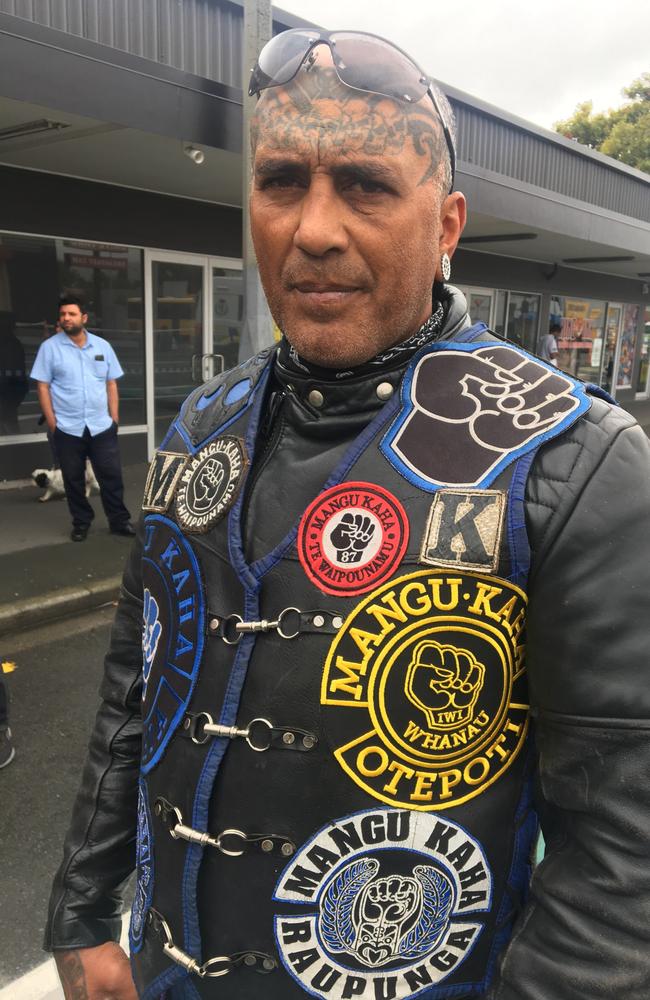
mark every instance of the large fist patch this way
{"type": "Point", "coordinates": [469, 411]}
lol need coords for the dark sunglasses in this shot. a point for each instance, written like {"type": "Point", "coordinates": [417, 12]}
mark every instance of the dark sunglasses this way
{"type": "Point", "coordinates": [362, 61]}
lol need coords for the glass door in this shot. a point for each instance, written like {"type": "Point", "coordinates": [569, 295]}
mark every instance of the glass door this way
{"type": "Point", "coordinates": [177, 334]}
{"type": "Point", "coordinates": [227, 313]}
{"type": "Point", "coordinates": [612, 327]}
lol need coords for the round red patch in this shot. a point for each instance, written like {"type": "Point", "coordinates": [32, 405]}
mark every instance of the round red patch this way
{"type": "Point", "coordinates": [351, 538]}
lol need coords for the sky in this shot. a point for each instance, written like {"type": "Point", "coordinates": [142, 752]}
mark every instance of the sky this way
{"type": "Point", "coordinates": [536, 59]}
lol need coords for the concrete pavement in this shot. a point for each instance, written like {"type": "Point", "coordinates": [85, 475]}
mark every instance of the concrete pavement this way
{"type": "Point", "coordinates": [43, 575]}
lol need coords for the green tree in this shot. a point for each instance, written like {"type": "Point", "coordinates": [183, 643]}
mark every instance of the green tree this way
{"type": "Point", "coordinates": [623, 133]}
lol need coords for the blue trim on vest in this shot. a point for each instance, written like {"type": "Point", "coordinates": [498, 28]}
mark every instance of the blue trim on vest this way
{"type": "Point", "coordinates": [256, 393]}
{"type": "Point", "coordinates": [597, 390]}
{"type": "Point", "coordinates": [204, 401]}
{"type": "Point", "coordinates": [516, 521]}
{"type": "Point", "coordinates": [526, 831]}
{"type": "Point", "coordinates": [467, 335]}
{"type": "Point", "coordinates": [200, 637]}
{"type": "Point", "coordinates": [171, 430]}
{"type": "Point", "coordinates": [230, 707]}
{"type": "Point", "coordinates": [144, 890]}
{"type": "Point", "coordinates": [385, 446]}
{"type": "Point", "coordinates": [164, 981]}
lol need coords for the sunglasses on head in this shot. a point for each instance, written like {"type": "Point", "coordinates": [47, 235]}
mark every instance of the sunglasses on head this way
{"type": "Point", "coordinates": [362, 61]}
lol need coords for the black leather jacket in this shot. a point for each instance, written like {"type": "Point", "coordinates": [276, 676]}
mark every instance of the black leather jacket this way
{"type": "Point", "coordinates": [585, 932]}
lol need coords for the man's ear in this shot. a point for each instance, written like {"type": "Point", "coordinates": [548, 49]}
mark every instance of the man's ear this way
{"type": "Point", "coordinates": [84, 318]}
{"type": "Point", "coordinates": [453, 217]}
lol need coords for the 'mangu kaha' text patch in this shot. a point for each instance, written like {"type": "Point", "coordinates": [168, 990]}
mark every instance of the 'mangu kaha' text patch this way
{"type": "Point", "coordinates": [424, 693]}
{"type": "Point", "coordinates": [351, 538]}
{"type": "Point", "coordinates": [392, 902]}
{"type": "Point", "coordinates": [210, 483]}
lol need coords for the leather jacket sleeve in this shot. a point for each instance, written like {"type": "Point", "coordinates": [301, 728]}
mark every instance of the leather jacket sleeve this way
{"type": "Point", "coordinates": [585, 932]}
{"type": "Point", "coordinates": [99, 852]}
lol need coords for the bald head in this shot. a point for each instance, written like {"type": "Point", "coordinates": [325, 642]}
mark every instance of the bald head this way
{"type": "Point", "coordinates": [349, 214]}
{"type": "Point", "coordinates": [324, 109]}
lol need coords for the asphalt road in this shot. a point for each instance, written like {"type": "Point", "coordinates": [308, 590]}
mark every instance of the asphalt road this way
{"type": "Point", "coordinates": [53, 704]}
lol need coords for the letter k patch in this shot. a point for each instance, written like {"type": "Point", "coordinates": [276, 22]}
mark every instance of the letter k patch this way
{"type": "Point", "coordinates": [464, 529]}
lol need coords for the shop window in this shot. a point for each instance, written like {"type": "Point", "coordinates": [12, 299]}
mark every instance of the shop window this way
{"type": "Point", "coordinates": [627, 348]}
{"type": "Point", "coordinates": [523, 319]}
{"type": "Point", "coordinates": [644, 367]}
{"type": "Point", "coordinates": [580, 343]}
{"type": "Point", "coordinates": [34, 272]}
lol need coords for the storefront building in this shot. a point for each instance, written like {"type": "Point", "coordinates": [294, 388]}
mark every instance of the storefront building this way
{"type": "Point", "coordinates": [100, 109]}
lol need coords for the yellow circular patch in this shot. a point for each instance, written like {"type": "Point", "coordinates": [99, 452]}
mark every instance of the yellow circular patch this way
{"type": "Point", "coordinates": [424, 692]}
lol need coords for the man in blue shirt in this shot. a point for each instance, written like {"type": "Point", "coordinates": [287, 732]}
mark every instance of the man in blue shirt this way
{"type": "Point", "coordinates": [77, 376]}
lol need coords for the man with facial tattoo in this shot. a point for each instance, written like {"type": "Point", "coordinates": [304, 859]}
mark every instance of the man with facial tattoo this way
{"type": "Point", "coordinates": [385, 617]}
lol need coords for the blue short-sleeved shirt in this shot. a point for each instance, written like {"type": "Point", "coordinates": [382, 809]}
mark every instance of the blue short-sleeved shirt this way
{"type": "Point", "coordinates": [77, 378]}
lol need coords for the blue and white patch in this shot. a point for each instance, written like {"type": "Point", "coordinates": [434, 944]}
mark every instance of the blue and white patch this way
{"type": "Point", "coordinates": [172, 634]}
{"type": "Point", "coordinates": [470, 410]}
{"type": "Point", "coordinates": [145, 872]}
{"type": "Point", "coordinates": [151, 632]}
{"type": "Point", "coordinates": [391, 898]}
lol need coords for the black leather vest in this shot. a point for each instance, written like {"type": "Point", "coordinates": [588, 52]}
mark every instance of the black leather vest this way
{"type": "Point", "coordinates": [336, 776]}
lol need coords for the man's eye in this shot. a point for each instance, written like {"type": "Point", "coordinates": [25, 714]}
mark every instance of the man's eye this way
{"type": "Point", "coordinates": [281, 182]}
{"type": "Point", "coordinates": [364, 186]}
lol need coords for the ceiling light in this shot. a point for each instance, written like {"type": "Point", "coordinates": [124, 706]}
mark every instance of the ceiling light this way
{"type": "Point", "coordinates": [499, 238]}
{"type": "Point", "coordinates": [31, 128]}
{"type": "Point", "coordinates": [595, 260]}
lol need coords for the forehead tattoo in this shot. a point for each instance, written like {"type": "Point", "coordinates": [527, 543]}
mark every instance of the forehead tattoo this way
{"type": "Point", "coordinates": [294, 118]}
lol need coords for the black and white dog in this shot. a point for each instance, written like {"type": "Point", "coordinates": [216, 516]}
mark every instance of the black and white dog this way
{"type": "Point", "coordinates": [51, 481]}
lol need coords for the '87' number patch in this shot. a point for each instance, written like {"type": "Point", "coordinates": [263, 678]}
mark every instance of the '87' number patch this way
{"type": "Point", "coordinates": [351, 538]}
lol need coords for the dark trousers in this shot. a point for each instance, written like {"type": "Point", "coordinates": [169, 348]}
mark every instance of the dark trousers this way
{"type": "Point", "coordinates": [104, 455]}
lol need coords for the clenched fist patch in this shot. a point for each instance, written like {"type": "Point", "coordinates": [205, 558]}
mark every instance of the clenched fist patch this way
{"type": "Point", "coordinates": [210, 483]}
{"type": "Point", "coordinates": [468, 411]}
{"type": "Point", "coordinates": [424, 690]}
{"type": "Point", "coordinates": [351, 538]}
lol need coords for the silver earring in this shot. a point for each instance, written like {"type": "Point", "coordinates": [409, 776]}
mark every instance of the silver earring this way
{"type": "Point", "coordinates": [445, 267]}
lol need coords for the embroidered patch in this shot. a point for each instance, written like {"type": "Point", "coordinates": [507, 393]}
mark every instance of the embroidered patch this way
{"type": "Point", "coordinates": [424, 691]}
{"type": "Point", "coordinates": [165, 468]}
{"type": "Point", "coordinates": [391, 896]}
{"type": "Point", "coordinates": [464, 530]}
{"type": "Point", "coordinates": [469, 411]}
{"type": "Point", "coordinates": [172, 632]}
{"type": "Point", "coordinates": [210, 483]}
{"type": "Point", "coordinates": [144, 865]}
{"type": "Point", "coordinates": [351, 538]}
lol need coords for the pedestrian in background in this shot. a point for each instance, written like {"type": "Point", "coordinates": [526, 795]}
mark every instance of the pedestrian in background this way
{"type": "Point", "coordinates": [7, 751]}
{"type": "Point", "coordinates": [548, 344]}
{"type": "Point", "coordinates": [77, 374]}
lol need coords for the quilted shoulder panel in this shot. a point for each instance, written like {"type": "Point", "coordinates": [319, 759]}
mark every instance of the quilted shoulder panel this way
{"type": "Point", "coordinates": [563, 467]}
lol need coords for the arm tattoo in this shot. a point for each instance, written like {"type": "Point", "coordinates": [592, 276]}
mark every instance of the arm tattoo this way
{"type": "Point", "coordinates": [292, 118]}
{"type": "Point", "coordinates": [72, 975]}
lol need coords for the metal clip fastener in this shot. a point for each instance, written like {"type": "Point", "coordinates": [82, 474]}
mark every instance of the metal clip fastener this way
{"type": "Point", "coordinates": [212, 968]}
{"type": "Point", "coordinates": [289, 624]}
{"type": "Point", "coordinates": [260, 734]}
{"type": "Point", "coordinates": [266, 843]}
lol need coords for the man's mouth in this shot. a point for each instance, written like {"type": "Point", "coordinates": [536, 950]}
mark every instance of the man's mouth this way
{"type": "Point", "coordinates": [320, 293]}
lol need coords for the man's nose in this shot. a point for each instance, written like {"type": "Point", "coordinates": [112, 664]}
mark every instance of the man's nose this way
{"type": "Point", "coordinates": [321, 227]}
